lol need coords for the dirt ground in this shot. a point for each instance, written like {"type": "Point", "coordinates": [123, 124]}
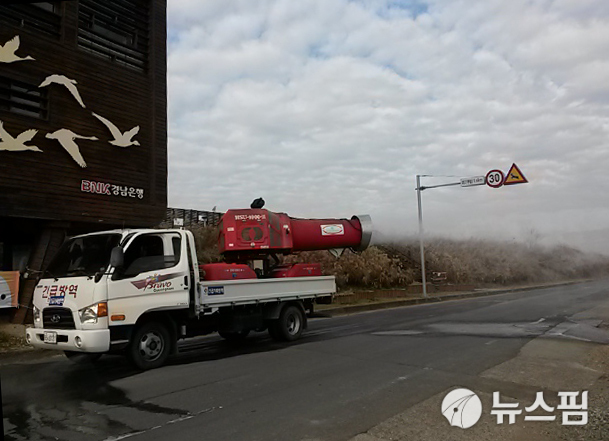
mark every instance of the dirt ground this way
{"type": "Point", "coordinates": [12, 338]}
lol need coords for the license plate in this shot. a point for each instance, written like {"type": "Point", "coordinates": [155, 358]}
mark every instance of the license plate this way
{"type": "Point", "coordinates": [50, 337]}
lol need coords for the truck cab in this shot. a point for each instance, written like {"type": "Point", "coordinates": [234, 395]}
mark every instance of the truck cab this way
{"type": "Point", "coordinates": [85, 304]}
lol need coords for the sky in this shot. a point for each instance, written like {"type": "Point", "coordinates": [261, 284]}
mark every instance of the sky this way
{"type": "Point", "coordinates": [330, 108]}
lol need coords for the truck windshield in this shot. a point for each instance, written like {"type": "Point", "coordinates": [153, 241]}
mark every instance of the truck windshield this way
{"type": "Point", "coordinates": [83, 256]}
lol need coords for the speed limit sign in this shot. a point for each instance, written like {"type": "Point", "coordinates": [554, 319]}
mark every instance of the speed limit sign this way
{"type": "Point", "coordinates": [495, 178]}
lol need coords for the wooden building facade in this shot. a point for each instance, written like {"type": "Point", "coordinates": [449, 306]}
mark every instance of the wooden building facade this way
{"type": "Point", "coordinates": [83, 113]}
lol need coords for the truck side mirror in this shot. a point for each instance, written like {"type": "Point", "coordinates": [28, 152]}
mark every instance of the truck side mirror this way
{"type": "Point", "coordinates": [117, 257]}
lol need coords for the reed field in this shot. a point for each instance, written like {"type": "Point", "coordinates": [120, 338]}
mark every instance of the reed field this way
{"type": "Point", "coordinates": [484, 263]}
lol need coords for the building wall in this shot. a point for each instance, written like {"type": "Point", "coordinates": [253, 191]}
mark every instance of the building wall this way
{"type": "Point", "coordinates": [115, 50]}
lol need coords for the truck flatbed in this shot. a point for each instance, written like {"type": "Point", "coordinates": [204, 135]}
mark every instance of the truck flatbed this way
{"type": "Point", "coordinates": [221, 293]}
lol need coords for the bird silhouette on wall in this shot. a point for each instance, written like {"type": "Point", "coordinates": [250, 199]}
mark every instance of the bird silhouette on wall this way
{"type": "Point", "coordinates": [66, 139]}
{"type": "Point", "coordinates": [120, 139]}
{"type": "Point", "coordinates": [64, 81]}
{"type": "Point", "coordinates": [7, 52]}
{"type": "Point", "coordinates": [17, 144]}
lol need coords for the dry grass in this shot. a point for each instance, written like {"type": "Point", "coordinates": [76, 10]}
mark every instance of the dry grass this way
{"type": "Point", "coordinates": [490, 262]}
{"type": "Point", "coordinates": [371, 268]}
{"type": "Point", "coordinates": [473, 261]}
{"type": "Point", "coordinates": [9, 342]}
{"type": "Point", "coordinates": [206, 243]}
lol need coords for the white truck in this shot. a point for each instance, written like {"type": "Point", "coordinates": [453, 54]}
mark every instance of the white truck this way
{"type": "Point", "coordinates": [137, 292]}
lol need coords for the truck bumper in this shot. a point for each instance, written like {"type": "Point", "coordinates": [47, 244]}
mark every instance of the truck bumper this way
{"type": "Point", "coordinates": [91, 340]}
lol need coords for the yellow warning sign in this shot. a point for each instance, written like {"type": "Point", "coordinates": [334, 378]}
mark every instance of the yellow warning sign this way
{"type": "Point", "coordinates": [514, 176]}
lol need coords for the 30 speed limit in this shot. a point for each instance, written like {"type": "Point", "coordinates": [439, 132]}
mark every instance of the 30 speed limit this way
{"type": "Point", "coordinates": [495, 178]}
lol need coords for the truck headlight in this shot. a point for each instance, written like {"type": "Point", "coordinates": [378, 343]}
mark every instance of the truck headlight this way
{"type": "Point", "coordinates": [37, 316]}
{"type": "Point", "coordinates": [90, 314]}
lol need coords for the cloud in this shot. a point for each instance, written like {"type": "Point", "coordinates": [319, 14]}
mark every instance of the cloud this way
{"type": "Point", "coordinates": [330, 108]}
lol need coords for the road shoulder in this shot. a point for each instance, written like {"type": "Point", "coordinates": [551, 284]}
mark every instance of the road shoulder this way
{"type": "Point", "coordinates": [553, 362]}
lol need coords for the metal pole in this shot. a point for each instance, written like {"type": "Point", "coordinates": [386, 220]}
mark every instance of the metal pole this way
{"type": "Point", "coordinates": [423, 278]}
{"type": "Point", "coordinates": [441, 185]}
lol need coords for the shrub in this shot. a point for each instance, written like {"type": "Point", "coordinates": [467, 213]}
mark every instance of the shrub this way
{"type": "Point", "coordinates": [206, 243]}
{"type": "Point", "coordinates": [372, 268]}
{"type": "Point", "coordinates": [502, 263]}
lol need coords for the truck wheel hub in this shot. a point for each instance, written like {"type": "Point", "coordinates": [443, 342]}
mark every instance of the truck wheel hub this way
{"type": "Point", "coordinates": [293, 324]}
{"type": "Point", "coordinates": [151, 346]}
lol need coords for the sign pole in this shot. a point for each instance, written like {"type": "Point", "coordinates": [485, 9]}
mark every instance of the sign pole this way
{"type": "Point", "coordinates": [494, 178]}
{"type": "Point", "coordinates": [423, 278]}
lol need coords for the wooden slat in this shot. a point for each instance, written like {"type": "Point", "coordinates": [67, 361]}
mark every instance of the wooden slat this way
{"type": "Point", "coordinates": [109, 10]}
{"type": "Point", "coordinates": [29, 16]}
{"type": "Point", "coordinates": [120, 18]}
{"type": "Point", "coordinates": [47, 185]}
{"type": "Point", "coordinates": [18, 101]}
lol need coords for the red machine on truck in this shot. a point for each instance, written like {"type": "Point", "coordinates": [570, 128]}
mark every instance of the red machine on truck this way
{"type": "Point", "coordinates": [137, 292]}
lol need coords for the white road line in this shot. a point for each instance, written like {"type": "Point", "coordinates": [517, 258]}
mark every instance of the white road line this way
{"type": "Point", "coordinates": [177, 420]}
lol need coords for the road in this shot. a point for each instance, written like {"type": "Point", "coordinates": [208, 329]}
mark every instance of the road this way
{"type": "Point", "coordinates": [346, 375]}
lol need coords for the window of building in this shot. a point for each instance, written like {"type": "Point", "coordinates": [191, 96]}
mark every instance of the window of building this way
{"type": "Point", "coordinates": [43, 17]}
{"type": "Point", "coordinates": [23, 98]}
{"type": "Point", "coordinates": [116, 30]}
{"type": "Point", "coordinates": [47, 6]}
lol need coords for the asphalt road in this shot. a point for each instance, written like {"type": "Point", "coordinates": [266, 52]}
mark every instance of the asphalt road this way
{"type": "Point", "coordinates": [346, 375]}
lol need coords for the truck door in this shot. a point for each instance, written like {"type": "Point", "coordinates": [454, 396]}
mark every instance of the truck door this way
{"type": "Point", "coordinates": [154, 276]}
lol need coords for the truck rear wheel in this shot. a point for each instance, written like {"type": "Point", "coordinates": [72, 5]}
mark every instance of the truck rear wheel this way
{"type": "Point", "coordinates": [290, 324]}
{"type": "Point", "coordinates": [150, 346]}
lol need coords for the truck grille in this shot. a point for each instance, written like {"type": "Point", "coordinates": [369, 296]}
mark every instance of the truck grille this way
{"type": "Point", "coordinates": [57, 318]}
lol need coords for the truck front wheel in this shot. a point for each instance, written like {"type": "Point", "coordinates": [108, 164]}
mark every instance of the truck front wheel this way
{"type": "Point", "coordinates": [290, 324]}
{"type": "Point", "coordinates": [150, 346]}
